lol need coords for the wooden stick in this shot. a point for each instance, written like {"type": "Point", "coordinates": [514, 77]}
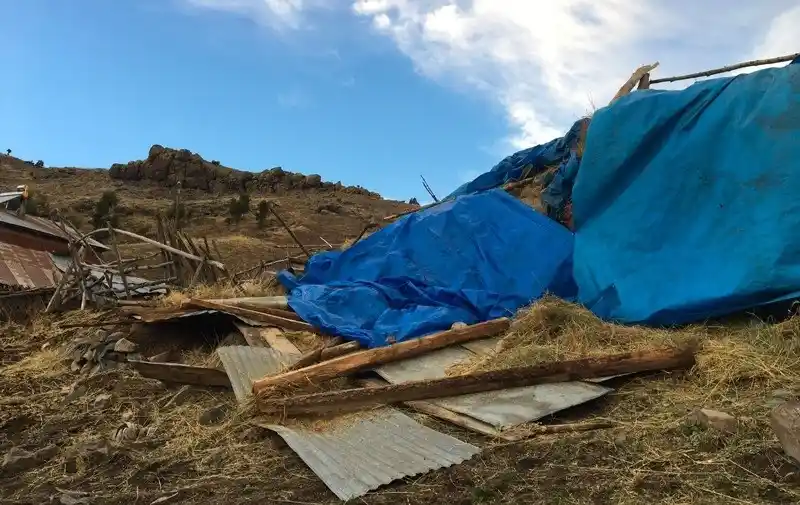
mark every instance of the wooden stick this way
{"type": "Point", "coordinates": [346, 365]}
{"type": "Point", "coordinates": [181, 374]}
{"type": "Point", "coordinates": [633, 80]}
{"type": "Point", "coordinates": [286, 314]}
{"type": "Point", "coordinates": [173, 250]}
{"type": "Point", "coordinates": [729, 68]}
{"type": "Point", "coordinates": [644, 82]}
{"type": "Point", "coordinates": [281, 322]}
{"type": "Point", "coordinates": [115, 246]}
{"type": "Point", "coordinates": [558, 371]}
{"type": "Point", "coordinates": [291, 233]}
{"type": "Point", "coordinates": [313, 356]}
{"type": "Point", "coordinates": [335, 351]}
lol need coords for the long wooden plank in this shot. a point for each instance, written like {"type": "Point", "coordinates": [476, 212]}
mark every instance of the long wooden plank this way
{"type": "Point", "coordinates": [557, 371]}
{"type": "Point", "coordinates": [281, 322]}
{"type": "Point", "coordinates": [286, 314]}
{"type": "Point", "coordinates": [351, 363]}
{"type": "Point", "coordinates": [181, 374]}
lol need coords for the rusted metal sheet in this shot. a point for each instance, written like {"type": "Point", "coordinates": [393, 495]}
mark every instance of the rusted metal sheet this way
{"type": "Point", "coordinates": [44, 226]}
{"type": "Point", "coordinates": [502, 409]}
{"type": "Point", "coordinates": [244, 364]}
{"type": "Point", "coordinates": [26, 268]}
{"type": "Point", "coordinates": [354, 456]}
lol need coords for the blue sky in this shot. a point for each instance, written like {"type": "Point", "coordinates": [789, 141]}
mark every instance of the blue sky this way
{"type": "Point", "coordinates": [369, 92]}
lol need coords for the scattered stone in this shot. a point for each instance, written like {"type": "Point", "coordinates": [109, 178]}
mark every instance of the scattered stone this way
{"type": "Point", "coordinates": [117, 335]}
{"type": "Point", "coordinates": [18, 460]}
{"type": "Point", "coordinates": [785, 421]}
{"type": "Point", "coordinates": [720, 421]}
{"type": "Point", "coordinates": [102, 401]}
{"type": "Point", "coordinates": [214, 415]}
{"type": "Point", "coordinates": [75, 393]}
{"type": "Point", "coordinates": [124, 345]}
{"type": "Point", "coordinates": [458, 325]}
{"type": "Point", "coordinates": [74, 498]}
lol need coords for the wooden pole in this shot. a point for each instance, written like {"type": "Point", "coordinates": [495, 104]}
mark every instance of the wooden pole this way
{"type": "Point", "coordinates": [545, 373]}
{"type": "Point", "coordinates": [115, 246]}
{"type": "Point", "coordinates": [729, 68]}
{"type": "Point", "coordinates": [314, 356]}
{"type": "Point", "coordinates": [286, 226]}
{"type": "Point", "coordinates": [289, 324]}
{"type": "Point", "coordinates": [171, 249]}
{"type": "Point", "coordinates": [351, 363]}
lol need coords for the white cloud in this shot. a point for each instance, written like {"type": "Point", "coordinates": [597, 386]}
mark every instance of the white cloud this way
{"type": "Point", "coordinates": [546, 63]}
{"type": "Point", "coordinates": [276, 13]}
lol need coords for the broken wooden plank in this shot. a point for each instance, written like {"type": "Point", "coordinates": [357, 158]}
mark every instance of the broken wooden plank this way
{"type": "Point", "coordinates": [281, 322]}
{"type": "Point", "coordinates": [785, 421]}
{"type": "Point", "coordinates": [286, 314]}
{"type": "Point", "coordinates": [334, 351]}
{"type": "Point", "coordinates": [267, 337]}
{"type": "Point", "coordinates": [314, 356]}
{"type": "Point", "coordinates": [634, 79]}
{"type": "Point", "coordinates": [181, 374]}
{"type": "Point", "coordinates": [557, 371]}
{"type": "Point", "coordinates": [352, 363]}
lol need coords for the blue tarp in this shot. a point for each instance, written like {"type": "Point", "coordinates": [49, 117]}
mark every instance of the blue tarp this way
{"type": "Point", "coordinates": [525, 163]}
{"type": "Point", "coordinates": [686, 203]}
{"type": "Point", "coordinates": [472, 259]}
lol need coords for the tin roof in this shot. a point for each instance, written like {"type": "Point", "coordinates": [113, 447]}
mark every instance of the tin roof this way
{"type": "Point", "coordinates": [26, 268]}
{"type": "Point", "coordinates": [354, 456]}
{"type": "Point", "coordinates": [244, 364]}
{"type": "Point", "coordinates": [45, 226]}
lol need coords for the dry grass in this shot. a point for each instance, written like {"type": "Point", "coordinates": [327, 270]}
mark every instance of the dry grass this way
{"type": "Point", "coordinates": [221, 290]}
{"type": "Point", "coordinates": [655, 456]}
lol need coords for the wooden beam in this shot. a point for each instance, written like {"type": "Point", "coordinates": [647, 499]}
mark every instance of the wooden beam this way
{"type": "Point", "coordinates": [729, 68]}
{"type": "Point", "coordinates": [635, 78]}
{"type": "Point", "coordinates": [181, 374]}
{"type": "Point", "coordinates": [286, 314]}
{"type": "Point", "coordinates": [282, 322]}
{"type": "Point", "coordinates": [558, 371]}
{"type": "Point", "coordinates": [165, 247]}
{"type": "Point", "coordinates": [351, 363]}
{"type": "Point", "coordinates": [267, 337]}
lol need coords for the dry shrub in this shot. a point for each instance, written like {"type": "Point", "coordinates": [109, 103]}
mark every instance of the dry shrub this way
{"type": "Point", "coordinates": [220, 290]}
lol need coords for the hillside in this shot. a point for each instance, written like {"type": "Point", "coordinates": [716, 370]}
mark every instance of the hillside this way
{"type": "Point", "coordinates": [313, 208]}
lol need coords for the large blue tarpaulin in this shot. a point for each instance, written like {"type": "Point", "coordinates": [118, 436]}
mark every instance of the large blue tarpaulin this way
{"type": "Point", "coordinates": [525, 163]}
{"type": "Point", "coordinates": [686, 203]}
{"type": "Point", "coordinates": [475, 258]}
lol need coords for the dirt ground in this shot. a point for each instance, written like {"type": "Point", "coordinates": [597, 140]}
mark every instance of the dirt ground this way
{"type": "Point", "coordinates": [654, 455]}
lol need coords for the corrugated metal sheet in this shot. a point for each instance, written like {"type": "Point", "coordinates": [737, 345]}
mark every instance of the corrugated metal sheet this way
{"type": "Point", "coordinates": [244, 364]}
{"type": "Point", "coordinates": [378, 448]}
{"type": "Point", "coordinates": [42, 225]}
{"type": "Point", "coordinates": [7, 197]}
{"type": "Point", "coordinates": [501, 409]}
{"type": "Point", "coordinates": [63, 262]}
{"type": "Point", "coordinates": [26, 268]}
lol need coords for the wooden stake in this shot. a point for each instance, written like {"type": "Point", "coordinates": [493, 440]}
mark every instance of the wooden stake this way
{"type": "Point", "coordinates": [559, 371]}
{"type": "Point", "coordinates": [349, 364]}
{"type": "Point", "coordinates": [115, 246]}
{"type": "Point", "coordinates": [633, 80]}
{"type": "Point", "coordinates": [729, 68]}
{"type": "Point", "coordinates": [286, 226]}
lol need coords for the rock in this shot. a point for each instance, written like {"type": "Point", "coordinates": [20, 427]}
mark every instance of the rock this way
{"type": "Point", "coordinates": [211, 416]}
{"type": "Point", "coordinates": [124, 345]}
{"type": "Point", "coordinates": [458, 325]}
{"type": "Point", "coordinates": [75, 393]}
{"type": "Point", "coordinates": [117, 335]}
{"type": "Point", "coordinates": [313, 181]}
{"type": "Point", "coordinates": [785, 421]}
{"type": "Point", "coordinates": [18, 460]}
{"type": "Point", "coordinates": [102, 401]}
{"type": "Point", "coordinates": [74, 498]}
{"type": "Point", "coordinates": [720, 421]}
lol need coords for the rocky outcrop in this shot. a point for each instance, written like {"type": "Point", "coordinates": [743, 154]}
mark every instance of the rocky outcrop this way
{"type": "Point", "coordinates": [169, 166]}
